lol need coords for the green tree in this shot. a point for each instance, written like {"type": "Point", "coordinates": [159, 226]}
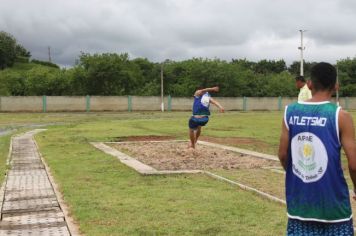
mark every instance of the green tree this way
{"type": "Point", "coordinates": [270, 66]}
{"type": "Point", "coordinates": [7, 50]}
{"type": "Point", "coordinates": [294, 68]}
{"type": "Point", "coordinates": [10, 50]}
{"type": "Point", "coordinates": [41, 80]}
{"type": "Point", "coordinates": [244, 63]}
{"type": "Point", "coordinates": [347, 76]}
{"type": "Point", "coordinates": [12, 83]}
{"type": "Point", "coordinates": [151, 83]}
{"type": "Point", "coordinates": [21, 51]}
{"type": "Point", "coordinates": [108, 74]}
{"type": "Point", "coordinates": [282, 84]}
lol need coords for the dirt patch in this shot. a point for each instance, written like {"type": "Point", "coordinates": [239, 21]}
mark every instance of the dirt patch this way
{"type": "Point", "coordinates": [236, 141]}
{"type": "Point", "coordinates": [143, 138]}
{"type": "Point", "coordinates": [177, 156]}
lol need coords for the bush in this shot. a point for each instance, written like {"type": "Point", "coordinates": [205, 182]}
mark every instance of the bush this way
{"type": "Point", "coordinates": [22, 59]}
{"type": "Point", "coordinates": [45, 63]}
{"type": "Point", "coordinates": [11, 83]}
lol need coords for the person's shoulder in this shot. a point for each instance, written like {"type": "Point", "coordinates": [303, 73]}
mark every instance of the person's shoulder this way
{"type": "Point", "coordinates": [344, 114]}
{"type": "Point", "coordinates": [293, 104]}
{"type": "Point", "coordinates": [345, 119]}
{"type": "Point", "coordinates": [290, 107]}
{"type": "Point", "coordinates": [332, 107]}
{"type": "Point", "coordinates": [198, 93]}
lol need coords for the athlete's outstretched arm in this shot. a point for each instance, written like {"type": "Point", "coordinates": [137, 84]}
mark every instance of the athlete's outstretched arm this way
{"type": "Point", "coordinates": [347, 138]}
{"type": "Point", "coordinates": [283, 146]}
{"type": "Point", "coordinates": [202, 91]}
{"type": "Point", "coordinates": [216, 103]}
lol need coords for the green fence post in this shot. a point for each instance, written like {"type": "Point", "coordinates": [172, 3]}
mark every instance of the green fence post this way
{"type": "Point", "coordinates": [129, 103]}
{"type": "Point", "coordinates": [346, 103]}
{"type": "Point", "coordinates": [279, 103]}
{"type": "Point", "coordinates": [44, 103]}
{"type": "Point", "coordinates": [87, 103]}
{"type": "Point", "coordinates": [169, 103]}
{"type": "Point", "coordinates": [245, 104]}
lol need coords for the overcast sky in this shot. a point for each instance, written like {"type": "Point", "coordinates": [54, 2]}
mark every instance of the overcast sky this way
{"type": "Point", "coordinates": [182, 29]}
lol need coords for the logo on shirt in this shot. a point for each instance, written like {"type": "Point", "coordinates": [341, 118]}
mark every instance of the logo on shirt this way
{"type": "Point", "coordinates": [309, 157]}
{"type": "Point", "coordinates": [205, 100]}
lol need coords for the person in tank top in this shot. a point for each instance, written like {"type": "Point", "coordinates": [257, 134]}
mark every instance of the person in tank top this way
{"type": "Point", "coordinates": [201, 112]}
{"type": "Point", "coordinates": [313, 133]}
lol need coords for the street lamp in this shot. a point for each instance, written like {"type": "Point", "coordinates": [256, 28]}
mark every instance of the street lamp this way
{"type": "Point", "coordinates": [301, 48]}
{"type": "Point", "coordinates": [162, 101]}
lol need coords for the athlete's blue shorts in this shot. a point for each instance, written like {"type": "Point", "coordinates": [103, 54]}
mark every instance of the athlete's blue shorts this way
{"type": "Point", "coordinates": [312, 228]}
{"type": "Point", "coordinates": [195, 122]}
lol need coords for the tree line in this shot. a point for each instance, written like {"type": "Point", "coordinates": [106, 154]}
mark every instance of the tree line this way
{"type": "Point", "coordinates": [117, 74]}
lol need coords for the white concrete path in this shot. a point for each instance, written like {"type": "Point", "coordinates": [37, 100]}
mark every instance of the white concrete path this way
{"type": "Point", "coordinates": [29, 203]}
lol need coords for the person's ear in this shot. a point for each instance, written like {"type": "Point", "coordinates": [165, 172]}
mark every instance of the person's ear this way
{"type": "Point", "coordinates": [310, 84]}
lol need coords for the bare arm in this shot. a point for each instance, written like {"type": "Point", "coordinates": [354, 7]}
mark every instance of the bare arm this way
{"type": "Point", "coordinates": [202, 91]}
{"type": "Point", "coordinates": [347, 136]}
{"type": "Point", "coordinates": [283, 146]}
{"type": "Point", "coordinates": [216, 103]}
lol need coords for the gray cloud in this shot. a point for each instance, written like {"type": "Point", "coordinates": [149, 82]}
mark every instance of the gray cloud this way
{"type": "Point", "coordinates": [181, 29]}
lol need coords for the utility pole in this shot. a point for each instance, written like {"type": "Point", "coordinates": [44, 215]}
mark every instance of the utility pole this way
{"type": "Point", "coordinates": [338, 86]}
{"type": "Point", "coordinates": [301, 48]}
{"type": "Point", "coordinates": [162, 102]}
{"type": "Point", "coordinates": [49, 54]}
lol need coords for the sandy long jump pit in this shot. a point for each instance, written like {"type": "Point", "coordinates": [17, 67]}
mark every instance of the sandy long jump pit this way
{"type": "Point", "coordinates": [175, 155]}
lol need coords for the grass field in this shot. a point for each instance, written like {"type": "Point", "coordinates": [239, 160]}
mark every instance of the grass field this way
{"type": "Point", "coordinates": [107, 198]}
{"type": "Point", "coordinates": [4, 147]}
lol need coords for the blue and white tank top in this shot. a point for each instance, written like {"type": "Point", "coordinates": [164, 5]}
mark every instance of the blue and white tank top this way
{"type": "Point", "coordinates": [201, 104]}
{"type": "Point", "coordinates": [315, 185]}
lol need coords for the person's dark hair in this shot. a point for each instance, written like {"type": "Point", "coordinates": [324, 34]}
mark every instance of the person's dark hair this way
{"type": "Point", "coordinates": [323, 76]}
{"type": "Point", "coordinates": [300, 78]}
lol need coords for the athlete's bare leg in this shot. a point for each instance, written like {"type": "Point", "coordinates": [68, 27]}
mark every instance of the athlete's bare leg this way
{"type": "Point", "coordinates": [192, 136]}
{"type": "Point", "coordinates": [197, 134]}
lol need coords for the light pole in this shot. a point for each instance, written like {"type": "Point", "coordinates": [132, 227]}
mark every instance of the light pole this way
{"type": "Point", "coordinates": [338, 86]}
{"type": "Point", "coordinates": [301, 48]}
{"type": "Point", "coordinates": [162, 101]}
{"type": "Point", "coordinates": [49, 54]}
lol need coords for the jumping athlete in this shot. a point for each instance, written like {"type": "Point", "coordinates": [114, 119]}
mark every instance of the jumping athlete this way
{"type": "Point", "coordinates": [201, 112]}
{"type": "Point", "coordinates": [313, 132]}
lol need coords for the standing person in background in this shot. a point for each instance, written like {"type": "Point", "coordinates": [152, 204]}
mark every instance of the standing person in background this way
{"type": "Point", "coordinates": [313, 133]}
{"type": "Point", "coordinates": [201, 112]}
{"type": "Point", "coordinates": [304, 91]}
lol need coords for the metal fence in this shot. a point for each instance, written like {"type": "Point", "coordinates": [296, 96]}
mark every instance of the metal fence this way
{"type": "Point", "coordinates": [143, 103]}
